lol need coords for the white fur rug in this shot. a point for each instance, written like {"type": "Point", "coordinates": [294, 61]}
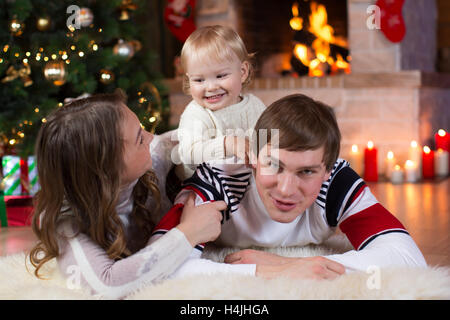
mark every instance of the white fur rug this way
{"type": "Point", "coordinates": [395, 283]}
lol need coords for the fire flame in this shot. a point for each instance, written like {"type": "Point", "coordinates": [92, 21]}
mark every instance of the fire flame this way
{"type": "Point", "coordinates": [318, 26]}
{"type": "Point", "coordinates": [296, 22]}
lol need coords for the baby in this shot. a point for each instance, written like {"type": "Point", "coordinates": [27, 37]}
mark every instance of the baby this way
{"type": "Point", "coordinates": [215, 123]}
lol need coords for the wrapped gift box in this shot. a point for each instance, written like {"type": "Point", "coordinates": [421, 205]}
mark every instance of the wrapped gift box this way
{"type": "Point", "coordinates": [15, 210]}
{"type": "Point", "coordinates": [19, 176]}
{"type": "Point", "coordinates": [18, 184]}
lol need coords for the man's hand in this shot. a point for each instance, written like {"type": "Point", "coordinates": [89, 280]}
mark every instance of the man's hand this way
{"type": "Point", "coordinates": [249, 256]}
{"type": "Point", "coordinates": [269, 265]}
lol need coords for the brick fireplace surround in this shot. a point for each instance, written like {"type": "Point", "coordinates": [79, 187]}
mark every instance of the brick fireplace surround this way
{"type": "Point", "coordinates": [393, 94]}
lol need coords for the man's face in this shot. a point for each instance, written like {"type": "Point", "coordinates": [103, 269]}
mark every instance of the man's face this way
{"type": "Point", "coordinates": [288, 182]}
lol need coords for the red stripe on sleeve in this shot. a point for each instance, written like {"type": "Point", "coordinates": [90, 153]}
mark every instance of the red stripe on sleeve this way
{"type": "Point", "coordinates": [358, 193]}
{"type": "Point", "coordinates": [197, 192]}
{"type": "Point", "coordinates": [171, 219]}
{"type": "Point", "coordinates": [372, 220]}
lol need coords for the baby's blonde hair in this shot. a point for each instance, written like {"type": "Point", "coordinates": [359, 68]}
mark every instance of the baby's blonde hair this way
{"type": "Point", "coordinates": [215, 42]}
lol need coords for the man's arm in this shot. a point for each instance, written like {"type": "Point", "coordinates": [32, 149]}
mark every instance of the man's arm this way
{"type": "Point", "coordinates": [269, 265]}
{"type": "Point", "coordinates": [378, 237]}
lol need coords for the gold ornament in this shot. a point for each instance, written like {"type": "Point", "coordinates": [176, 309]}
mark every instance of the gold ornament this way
{"type": "Point", "coordinates": [16, 27]}
{"type": "Point", "coordinates": [124, 15]}
{"type": "Point", "coordinates": [23, 73]}
{"type": "Point", "coordinates": [123, 49]}
{"type": "Point", "coordinates": [124, 7]}
{"type": "Point", "coordinates": [43, 23]}
{"type": "Point", "coordinates": [106, 76]}
{"type": "Point", "coordinates": [85, 17]}
{"type": "Point", "coordinates": [55, 71]}
{"type": "Point", "coordinates": [150, 99]}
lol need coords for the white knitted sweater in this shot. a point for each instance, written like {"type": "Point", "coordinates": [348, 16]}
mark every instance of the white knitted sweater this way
{"type": "Point", "coordinates": [201, 132]}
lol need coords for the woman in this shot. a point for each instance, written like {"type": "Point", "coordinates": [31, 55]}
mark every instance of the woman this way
{"type": "Point", "coordinates": [100, 199]}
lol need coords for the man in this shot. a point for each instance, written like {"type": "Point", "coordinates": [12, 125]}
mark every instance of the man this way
{"type": "Point", "coordinates": [298, 192]}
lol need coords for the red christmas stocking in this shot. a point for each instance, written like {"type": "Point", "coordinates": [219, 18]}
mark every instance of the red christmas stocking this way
{"type": "Point", "coordinates": [392, 24]}
{"type": "Point", "coordinates": [179, 17]}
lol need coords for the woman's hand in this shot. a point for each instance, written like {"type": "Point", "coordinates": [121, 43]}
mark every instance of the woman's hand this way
{"type": "Point", "coordinates": [201, 223]}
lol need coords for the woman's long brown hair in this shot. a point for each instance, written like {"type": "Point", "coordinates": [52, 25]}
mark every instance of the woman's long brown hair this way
{"type": "Point", "coordinates": [79, 154]}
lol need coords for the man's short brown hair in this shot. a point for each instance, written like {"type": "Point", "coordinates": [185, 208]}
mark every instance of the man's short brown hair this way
{"type": "Point", "coordinates": [303, 124]}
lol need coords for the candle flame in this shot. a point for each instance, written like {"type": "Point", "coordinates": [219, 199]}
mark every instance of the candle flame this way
{"type": "Point", "coordinates": [390, 155]}
{"type": "Point", "coordinates": [414, 144]}
{"type": "Point", "coordinates": [354, 148]}
{"type": "Point", "coordinates": [409, 164]}
{"type": "Point", "coordinates": [370, 145]}
{"type": "Point", "coordinates": [397, 167]}
{"type": "Point", "coordinates": [442, 132]}
{"type": "Point", "coordinates": [426, 149]}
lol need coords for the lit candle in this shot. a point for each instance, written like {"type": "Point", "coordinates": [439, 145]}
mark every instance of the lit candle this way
{"type": "Point", "coordinates": [411, 172]}
{"type": "Point", "coordinates": [415, 155]}
{"type": "Point", "coordinates": [370, 162]}
{"type": "Point", "coordinates": [397, 175]}
{"type": "Point", "coordinates": [356, 160]}
{"type": "Point", "coordinates": [427, 163]}
{"type": "Point", "coordinates": [441, 158]}
{"type": "Point", "coordinates": [389, 163]}
{"type": "Point", "coordinates": [442, 140]}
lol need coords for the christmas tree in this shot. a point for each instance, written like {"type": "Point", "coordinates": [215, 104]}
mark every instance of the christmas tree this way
{"type": "Point", "coordinates": [53, 50]}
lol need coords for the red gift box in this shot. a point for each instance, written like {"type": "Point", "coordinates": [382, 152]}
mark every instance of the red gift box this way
{"type": "Point", "coordinates": [15, 210]}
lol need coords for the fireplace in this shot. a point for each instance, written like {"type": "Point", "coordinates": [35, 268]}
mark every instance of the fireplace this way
{"type": "Point", "coordinates": [295, 38]}
{"type": "Point", "coordinates": [390, 94]}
